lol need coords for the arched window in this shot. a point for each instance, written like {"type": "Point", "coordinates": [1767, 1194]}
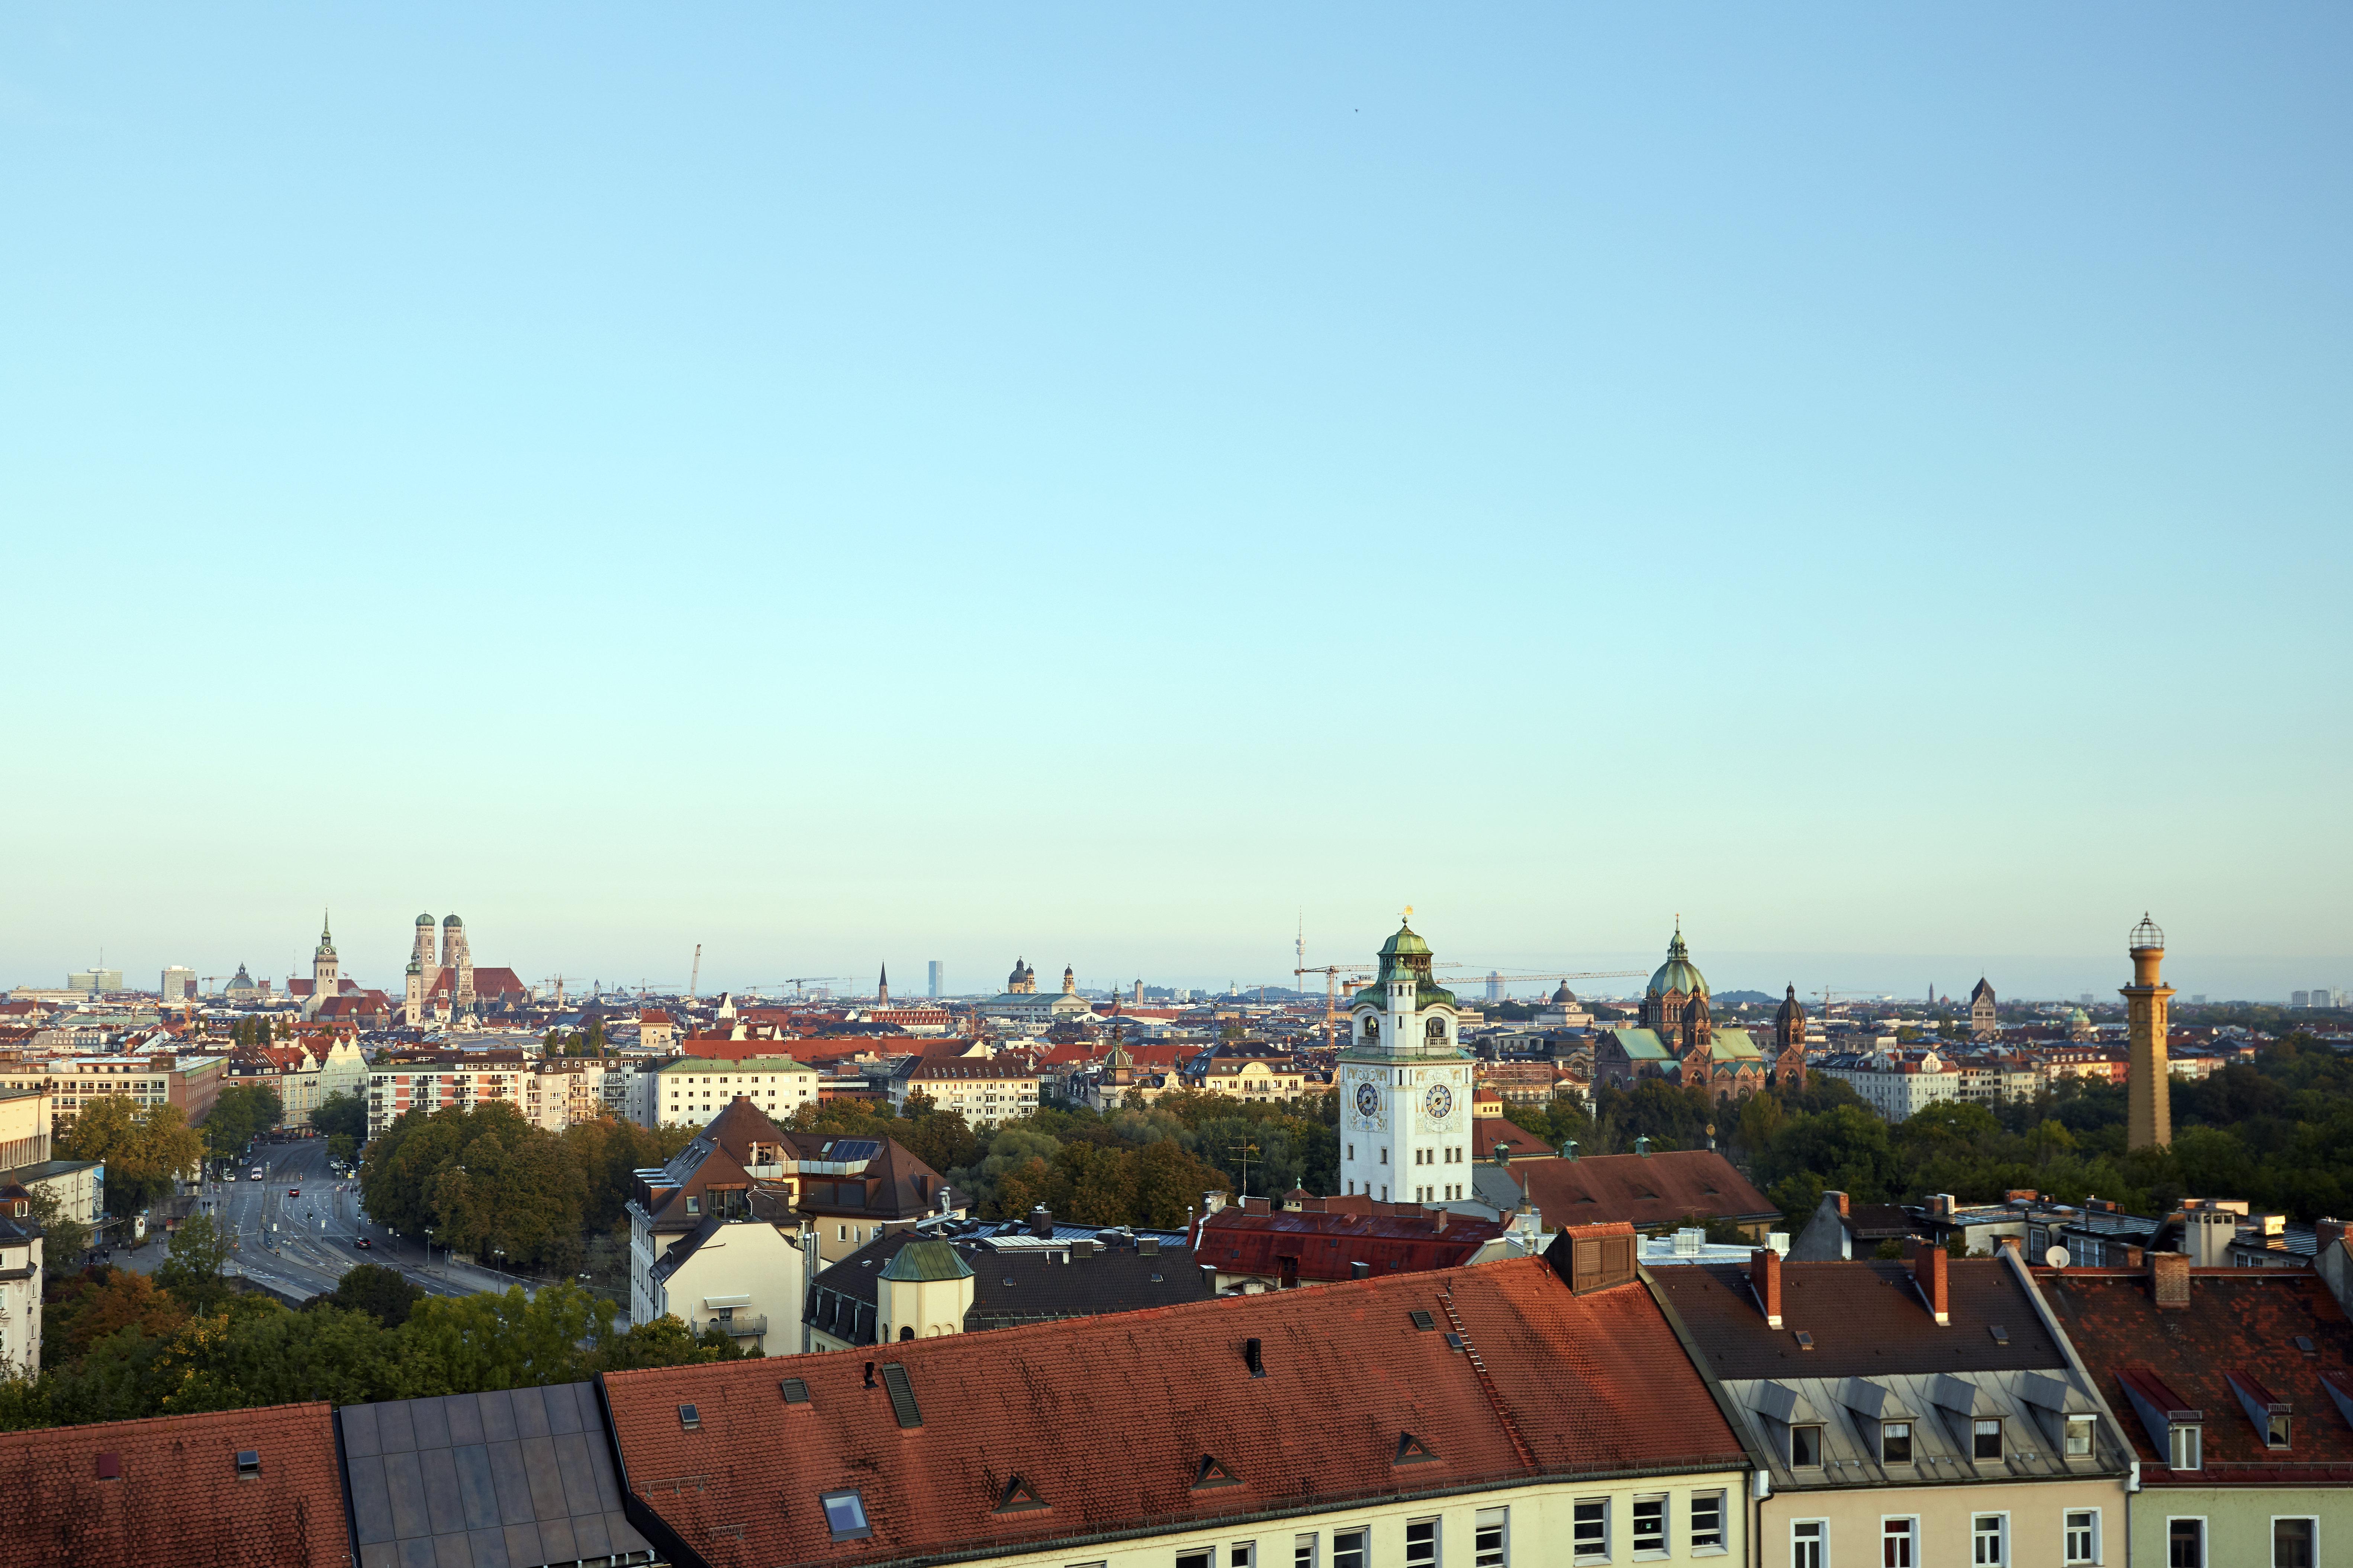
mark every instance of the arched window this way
{"type": "Point", "coordinates": [1436, 1030]}
{"type": "Point", "coordinates": [1372, 1027]}
{"type": "Point", "coordinates": [907, 1333]}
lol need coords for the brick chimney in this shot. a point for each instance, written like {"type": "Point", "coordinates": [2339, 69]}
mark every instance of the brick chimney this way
{"type": "Point", "coordinates": [2169, 1279]}
{"type": "Point", "coordinates": [1764, 1279]}
{"type": "Point", "coordinates": [2133, 1257]}
{"type": "Point", "coordinates": [1928, 1265]}
{"type": "Point", "coordinates": [1841, 1202]}
{"type": "Point", "coordinates": [2327, 1232]}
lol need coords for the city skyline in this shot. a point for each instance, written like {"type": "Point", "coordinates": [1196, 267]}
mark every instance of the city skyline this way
{"type": "Point", "coordinates": [807, 484]}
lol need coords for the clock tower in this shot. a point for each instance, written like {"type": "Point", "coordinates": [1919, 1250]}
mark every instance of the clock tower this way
{"type": "Point", "coordinates": [1405, 1085]}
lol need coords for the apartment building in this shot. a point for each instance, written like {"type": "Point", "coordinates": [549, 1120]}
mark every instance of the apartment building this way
{"type": "Point", "coordinates": [987, 1091]}
{"type": "Point", "coordinates": [191, 1082]}
{"type": "Point", "coordinates": [692, 1090]}
{"type": "Point", "coordinates": [431, 1081]}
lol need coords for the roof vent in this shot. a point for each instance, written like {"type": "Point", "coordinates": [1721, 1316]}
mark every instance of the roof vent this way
{"type": "Point", "coordinates": [903, 1396]}
{"type": "Point", "coordinates": [1412, 1450]}
{"type": "Point", "coordinates": [110, 1467]}
{"type": "Point", "coordinates": [1254, 1357]}
{"type": "Point", "coordinates": [1211, 1474]}
{"type": "Point", "coordinates": [1019, 1496]}
{"type": "Point", "coordinates": [794, 1390]}
{"type": "Point", "coordinates": [1360, 1270]}
{"type": "Point", "coordinates": [248, 1464]}
{"type": "Point", "coordinates": [869, 1375]}
{"type": "Point", "coordinates": [1422, 1321]}
{"type": "Point", "coordinates": [689, 1418]}
{"type": "Point", "coordinates": [1642, 1147]}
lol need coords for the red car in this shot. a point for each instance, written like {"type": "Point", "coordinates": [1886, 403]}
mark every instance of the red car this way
{"type": "Point", "coordinates": [293, 1192]}
{"type": "Point", "coordinates": [359, 1241]}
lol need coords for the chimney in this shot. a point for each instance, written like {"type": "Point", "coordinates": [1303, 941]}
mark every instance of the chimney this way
{"type": "Point", "coordinates": [1211, 1203]}
{"type": "Point", "coordinates": [2168, 1277]}
{"type": "Point", "coordinates": [1568, 1149]}
{"type": "Point", "coordinates": [2326, 1232]}
{"type": "Point", "coordinates": [1841, 1202]}
{"type": "Point", "coordinates": [1928, 1264]}
{"type": "Point", "coordinates": [1941, 1204]}
{"type": "Point", "coordinates": [2133, 1255]}
{"type": "Point", "coordinates": [2016, 1244]}
{"type": "Point", "coordinates": [1042, 1222]}
{"type": "Point", "coordinates": [1439, 1228]}
{"type": "Point", "coordinates": [1642, 1147]}
{"type": "Point", "coordinates": [1764, 1279]}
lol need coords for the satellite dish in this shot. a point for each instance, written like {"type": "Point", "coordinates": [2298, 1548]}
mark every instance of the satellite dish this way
{"type": "Point", "coordinates": [2056, 1257]}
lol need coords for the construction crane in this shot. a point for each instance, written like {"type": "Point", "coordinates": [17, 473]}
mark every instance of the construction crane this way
{"type": "Point", "coordinates": [1331, 973]}
{"type": "Point", "coordinates": [800, 982]}
{"type": "Point", "coordinates": [694, 979]}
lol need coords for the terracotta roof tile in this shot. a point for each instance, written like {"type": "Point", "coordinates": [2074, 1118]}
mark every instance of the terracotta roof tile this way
{"type": "Point", "coordinates": [1327, 1244]}
{"type": "Point", "coordinates": [1642, 1189]}
{"type": "Point", "coordinates": [1108, 1420]}
{"type": "Point", "coordinates": [176, 1496]}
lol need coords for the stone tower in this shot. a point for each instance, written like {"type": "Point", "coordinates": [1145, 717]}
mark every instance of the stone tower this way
{"type": "Point", "coordinates": [1405, 1085]}
{"type": "Point", "coordinates": [1985, 1020]}
{"type": "Point", "coordinates": [326, 970]}
{"type": "Point", "coordinates": [424, 967]}
{"type": "Point", "coordinates": [882, 988]}
{"type": "Point", "coordinates": [2148, 1121]}
{"type": "Point", "coordinates": [458, 958]}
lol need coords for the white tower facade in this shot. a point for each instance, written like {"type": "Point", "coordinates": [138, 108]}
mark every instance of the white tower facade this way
{"type": "Point", "coordinates": [1405, 1086]}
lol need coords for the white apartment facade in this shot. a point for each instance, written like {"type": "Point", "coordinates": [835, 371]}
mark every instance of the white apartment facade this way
{"type": "Point", "coordinates": [690, 1091]}
{"type": "Point", "coordinates": [986, 1090]}
{"type": "Point", "coordinates": [1895, 1084]}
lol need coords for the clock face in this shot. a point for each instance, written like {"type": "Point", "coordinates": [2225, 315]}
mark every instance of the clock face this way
{"type": "Point", "coordinates": [1368, 1101]}
{"type": "Point", "coordinates": [1439, 1102]}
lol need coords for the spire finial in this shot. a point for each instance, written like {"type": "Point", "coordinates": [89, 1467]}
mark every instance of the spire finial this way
{"type": "Point", "coordinates": [1406, 919]}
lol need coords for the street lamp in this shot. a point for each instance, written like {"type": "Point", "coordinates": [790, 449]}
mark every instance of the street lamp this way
{"type": "Point", "coordinates": [428, 1247]}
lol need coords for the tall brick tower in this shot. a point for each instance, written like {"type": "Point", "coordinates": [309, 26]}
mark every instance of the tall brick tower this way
{"type": "Point", "coordinates": [2148, 1122]}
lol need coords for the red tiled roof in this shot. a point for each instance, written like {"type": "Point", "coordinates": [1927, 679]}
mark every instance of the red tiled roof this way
{"type": "Point", "coordinates": [1108, 1420]}
{"type": "Point", "coordinates": [176, 1497]}
{"type": "Point", "coordinates": [1486, 1131]}
{"type": "Point", "coordinates": [653, 1015]}
{"type": "Point", "coordinates": [2241, 1320]}
{"type": "Point", "coordinates": [1235, 1241]}
{"type": "Point", "coordinates": [1653, 1189]}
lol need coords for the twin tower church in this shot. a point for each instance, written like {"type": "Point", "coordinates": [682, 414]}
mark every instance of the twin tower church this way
{"type": "Point", "coordinates": [1405, 1080]}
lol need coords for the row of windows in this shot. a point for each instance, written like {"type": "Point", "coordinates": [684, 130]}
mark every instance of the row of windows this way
{"type": "Point", "coordinates": [2296, 1543]}
{"type": "Point", "coordinates": [1985, 1442]}
{"type": "Point", "coordinates": [1900, 1541]}
{"type": "Point", "coordinates": [1648, 1526]}
{"type": "Point", "coordinates": [1491, 1547]}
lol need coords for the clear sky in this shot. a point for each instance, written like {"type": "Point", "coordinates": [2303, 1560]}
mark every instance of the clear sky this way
{"type": "Point", "coordinates": [858, 483]}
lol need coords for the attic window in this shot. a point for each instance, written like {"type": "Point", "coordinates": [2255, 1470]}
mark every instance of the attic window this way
{"type": "Point", "coordinates": [1453, 1340]}
{"type": "Point", "coordinates": [110, 1467]}
{"type": "Point", "coordinates": [689, 1418]}
{"type": "Point", "coordinates": [2304, 1343]}
{"type": "Point", "coordinates": [248, 1464]}
{"type": "Point", "coordinates": [2000, 1335]}
{"type": "Point", "coordinates": [794, 1390]}
{"type": "Point", "coordinates": [1423, 1321]}
{"type": "Point", "coordinates": [845, 1515]}
{"type": "Point", "coordinates": [1805, 1340]}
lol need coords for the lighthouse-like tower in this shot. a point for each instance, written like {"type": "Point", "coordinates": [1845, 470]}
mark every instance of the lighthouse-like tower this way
{"type": "Point", "coordinates": [2148, 1097]}
{"type": "Point", "coordinates": [1405, 1085]}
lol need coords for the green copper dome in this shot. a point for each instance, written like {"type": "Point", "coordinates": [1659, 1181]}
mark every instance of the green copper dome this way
{"type": "Point", "coordinates": [424, 919]}
{"type": "Point", "coordinates": [1404, 943]}
{"type": "Point", "coordinates": [1405, 953]}
{"type": "Point", "coordinates": [927, 1261]}
{"type": "Point", "coordinates": [1678, 973]}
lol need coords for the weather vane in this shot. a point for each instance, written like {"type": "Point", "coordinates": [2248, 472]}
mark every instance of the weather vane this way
{"type": "Point", "coordinates": [1406, 918]}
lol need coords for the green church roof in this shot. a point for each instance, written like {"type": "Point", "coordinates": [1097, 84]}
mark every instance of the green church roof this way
{"type": "Point", "coordinates": [1678, 973]}
{"type": "Point", "coordinates": [1406, 949]}
{"type": "Point", "coordinates": [923, 1262]}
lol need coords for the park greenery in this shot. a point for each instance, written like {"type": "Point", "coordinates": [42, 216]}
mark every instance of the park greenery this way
{"type": "Point", "coordinates": [241, 1113]}
{"type": "Point", "coordinates": [121, 1346]}
{"type": "Point", "coordinates": [147, 1149]}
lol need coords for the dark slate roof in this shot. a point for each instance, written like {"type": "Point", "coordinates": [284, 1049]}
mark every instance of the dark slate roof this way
{"type": "Point", "coordinates": [517, 1478]}
{"type": "Point", "coordinates": [1866, 1317]}
{"type": "Point", "coordinates": [1640, 1189]}
{"type": "Point", "coordinates": [1023, 1286]}
{"type": "Point", "coordinates": [2239, 1321]}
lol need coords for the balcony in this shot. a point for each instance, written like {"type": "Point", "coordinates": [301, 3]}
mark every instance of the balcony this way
{"type": "Point", "coordinates": [733, 1328]}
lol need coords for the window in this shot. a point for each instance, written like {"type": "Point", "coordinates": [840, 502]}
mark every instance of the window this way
{"type": "Point", "coordinates": [1986, 1533]}
{"type": "Point", "coordinates": [2185, 1544]}
{"type": "Point", "coordinates": [2292, 1540]}
{"type": "Point", "coordinates": [2185, 1451]}
{"type": "Point", "coordinates": [1896, 1537]}
{"type": "Point", "coordinates": [1649, 1526]}
{"type": "Point", "coordinates": [1707, 1522]}
{"type": "Point", "coordinates": [1591, 1530]}
{"type": "Point", "coordinates": [2079, 1437]}
{"type": "Point", "coordinates": [1242, 1554]}
{"type": "Point", "coordinates": [1895, 1443]}
{"type": "Point", "coordinates": [1805, 1448]}
{"type": "Point", "coordinates": [1196, 1559]}
{"type": "Point", "coordinates": [2275, 1432]}
{"type": "Point", "coordinates": [1349, 1549]}
{"type": "Point", "coordinates": [1985, 1438]}
{"type": "Point", "coordinates": [845, 1515]}
{"type": "Point", "coordinates": [1490, 1545]}
{"type": "Point", "coordinates": [1805, 1543]}
{"type": "Point", "coordinates": [1421, 1543]}
{"type": "Point", "coordinates": [2083, 1543]}
{"type": "Point", "coordinates": [1302, 1550]}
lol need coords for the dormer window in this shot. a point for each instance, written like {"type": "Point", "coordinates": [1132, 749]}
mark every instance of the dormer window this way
{"type": "Point", "coordinates": [1985, 1440]}
{"type": "Point", "coordinates": [693, 1206]}
{"type": "Point", "coordinates": [2185, 1447]}
{"type": "Point", "coordinates": [1805, 1448]}
{"type": "Point", "coordinates": [1895, 1443]}
{"type": "Point", "coordinates": [2079, 1437]}
{"type": "Point", "coordinates": [2275, 1431]}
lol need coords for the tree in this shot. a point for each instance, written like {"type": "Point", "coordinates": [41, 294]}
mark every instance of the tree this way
{"type": "Point", "coordinates": [193, 1272]}
{"type": "Point", "coordinates": [145, 1151]}
{"type": "Point", "coordinates": [340, 1149]}
{"type": "Point", "coordinates": [63, 1238]}
{"type": "Point", "coordinates": [259, 1353]}
{"type": "Point", "coordinates": [241, 1113]}
{"type": "Point", "coordinates": [465, 1344]}
{"type": "Point", "coordinates": [382, 1293]}
{"type": "Point", "coordinates": [93, 1305]}
{"type": "Point", "coordinates": [665, 1341]}
{"type": "Point", "coordinates": [342, 1113]}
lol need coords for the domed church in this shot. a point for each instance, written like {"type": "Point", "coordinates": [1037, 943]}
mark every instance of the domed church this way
{"type": "Point", "coordinates": [1675, 1036]}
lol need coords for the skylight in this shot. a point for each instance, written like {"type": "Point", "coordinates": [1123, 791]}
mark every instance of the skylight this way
{"type": "Point", "coordinates": [845, 1515]}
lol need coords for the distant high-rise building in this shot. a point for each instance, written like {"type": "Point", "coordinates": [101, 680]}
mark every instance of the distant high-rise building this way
{"type": "Point", "coordinates": [2085, 999]}
{"type": "Point", "coordinates": [2148, 1109]}
{"type": "Point", "coordinates": [1494, 986]}
{"type": "Point", "coordinates": [938, 980]}
{"type": "Point", "coordinates": [94, 980]}
{"type": "Point", "coordinates": [2299, 998]}
{"type": "Point", "coordinates": [2198, 999]}
{"type": "Point", "coordinates": [1137, 998]}
{"type": "Point", "coordinates": [179, 985]}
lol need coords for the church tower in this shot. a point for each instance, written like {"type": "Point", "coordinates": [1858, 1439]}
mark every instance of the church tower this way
{"type": "Point", "coordinates": [326, 970]}
{"type": "Point", "coordinates": [458, 958]}
{"type": "Point", "coordinates": [424, 968]}
{"type": "Point", "coordinates": [1405, 1085]}
{"type": "Point", "coordinates": [2149, 1093]}
{"type": "Point", "coordinates": [882, 988]}
{"type": "Point", "coordinates": [1985, 1021]}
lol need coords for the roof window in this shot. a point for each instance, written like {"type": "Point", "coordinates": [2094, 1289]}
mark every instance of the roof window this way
{"type": "Point", "coordinates": [110, 1467]}
{"type": "Point", "coordinates": [845, 1515]}
{"type": "Point", "coordinates": [2000, 1335]}
{"type": "Point", "coordinates": [689, 1418]}
{"type": "Point", "coordinates": [248, 1464]}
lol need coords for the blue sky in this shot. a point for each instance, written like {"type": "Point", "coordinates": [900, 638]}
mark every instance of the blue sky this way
{"type": "Point", "coordinates": [1106, 484]}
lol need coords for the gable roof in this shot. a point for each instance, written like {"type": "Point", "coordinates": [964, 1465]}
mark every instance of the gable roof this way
{"type": "Point", "coordinates": [1486, 1131]}
{"type": "Point", "coordinates": [1021, 1285]}
{"type": "Point", "coordinates": [176, 1496]}
{"type": "Point", "coordinates": [1326, 1244]}
{"type": "Point", "coordinates": [1640, 1189]}
{"type": "Point", "coordinates": [1866, 1317]}
{"type": "Point", "coordinates": [1113, 1420]}
{"type": "Point", "coordinates": [2242, 1324]}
